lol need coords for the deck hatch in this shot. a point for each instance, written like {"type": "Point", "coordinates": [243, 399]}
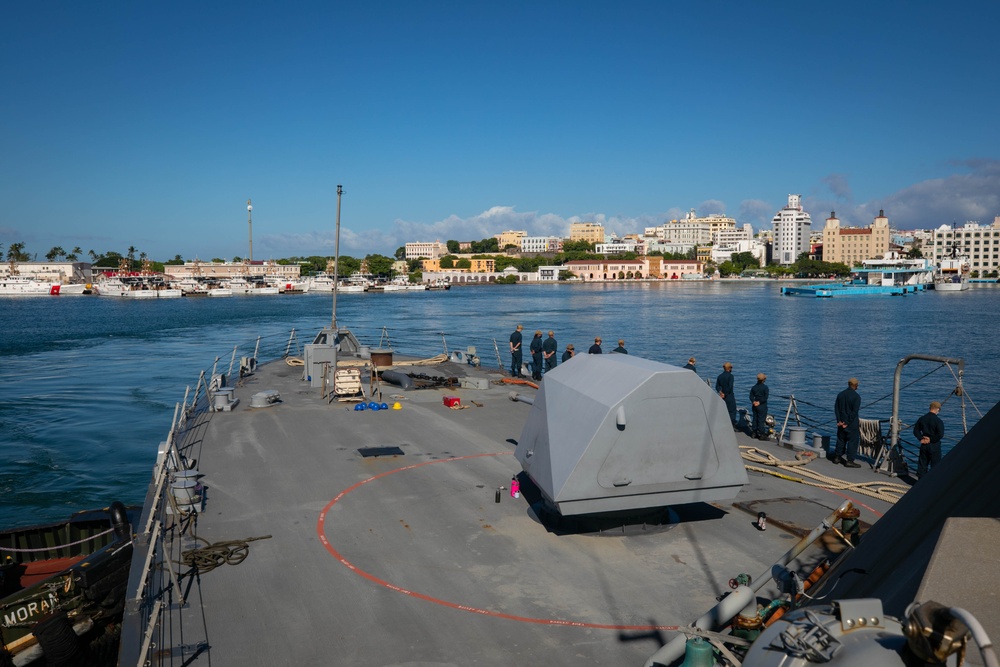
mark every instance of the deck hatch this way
{"type": "Point", "coordinates": [390, 450]}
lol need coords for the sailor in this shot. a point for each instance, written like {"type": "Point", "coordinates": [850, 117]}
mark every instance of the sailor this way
{"type": "Point", "coordinates": [549, 352]}
{"type": "Point", "coordinates": [929, 430]}
{"type": "Point", "coordinates": [568, 353]}
{"type": "Point", "coordinates": [724, 384]}
{"type": "Point", "coordinates": [758, 398]}
{"type": "Point", "coordinates": [596, 347]}
{"type": "Point", "coordinates": [846, 409]}
{"type": "Point", "coordinates": [516, 354]}
{"type": "Point", "coordinates": [690, 366]}
{"type": "Point", "coordinates": [536, 356]}
{"type": "Point", "coordinates": [621, 347]}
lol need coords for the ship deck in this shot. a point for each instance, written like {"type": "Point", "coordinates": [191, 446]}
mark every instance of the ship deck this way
{"type": "Point", "coordinates": [408, 558]}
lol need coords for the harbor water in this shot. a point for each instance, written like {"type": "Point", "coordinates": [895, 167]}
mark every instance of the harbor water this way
{"type": "Point", "coordinates": [90, 384]}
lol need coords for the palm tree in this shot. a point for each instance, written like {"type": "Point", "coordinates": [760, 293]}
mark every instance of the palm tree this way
{"type": "Point", "coordinates": [75, 255]}
{"type": "Point", "coordinates": [55, 252]}
{"type": "Point", "coordinates": [131, 256]}
{"type": "Point", "coordinates": [93, 256]}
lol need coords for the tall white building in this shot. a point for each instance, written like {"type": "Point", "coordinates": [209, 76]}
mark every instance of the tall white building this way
{"type": "Point", "coordinates": [791, 231]}
{"type": "Point", "coordinates": [980, 243]}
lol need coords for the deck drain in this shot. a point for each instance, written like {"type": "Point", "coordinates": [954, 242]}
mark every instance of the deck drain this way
{"type": "Point", "coordinates": [381, 451]}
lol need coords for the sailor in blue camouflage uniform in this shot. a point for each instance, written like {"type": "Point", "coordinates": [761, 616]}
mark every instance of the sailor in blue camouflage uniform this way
{"type": "Point", "coordinates": [516, 353]}
{"type": "Point", "coordinates": [758, 398]}
{"type": "Point", "coordinates": [929, 430]}
{"type": "Point", "coordinates": [725, 385]}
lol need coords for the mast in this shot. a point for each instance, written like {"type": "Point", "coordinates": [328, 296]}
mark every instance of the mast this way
{"type": "Point", "coordinates": [250, 225]}
{"type": "Point", "coordinates": [336, 260]}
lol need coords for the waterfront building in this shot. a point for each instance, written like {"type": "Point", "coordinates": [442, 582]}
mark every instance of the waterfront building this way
{"type": "Point", "coordinates": [476, 265]}
{"type": "Point", "coordinates": [510, 237]}
{"type": "Point", "coordinates": [853, 245]}
{"type": "Point", "coordinates": [57, 272]}
{"type": "Point", "coordinates": [549, 274]}
{"type": "Point", "coordinates": [226, 270]}
{"type": "Point", "coordinates": [400, 267]}
{"type": "Point", "coordinates": [541, 244]}
{"type": "Point", "coordinates": [692, 230]}
{"type": "Point", "coordinates": [791, 231]}
{"type": "Point", "coordinates": [614, 269]}
{"type": "Point", "coordinates": [980, 243]}
{"type": "Point", "coordinates": [429, 250]}
{"type": "Point", "coordinates": [591, 232]}
{"type": "Point", "coordinates": [674, 269]}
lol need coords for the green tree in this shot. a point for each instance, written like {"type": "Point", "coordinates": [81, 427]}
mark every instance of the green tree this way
{"type": "Point", "coordinates": [447, 262]}
{"type": "Point", "coordinates": [176, 261]}
{"type": "Point", "coordinates": [380, 265]}
{"type": "Point", "coordinates": [55, 253]}
{"type": "Point", "coordinates": [400, 252]}
{"type": "Point", "coordinates": [463, 263]}
{"type": "Point", "coordinates": [74, 255]}
{"type": "Point", "coordinates": [914, 253]}
{"type": "Point", "coordinates": [109, 259]}
{"type": "Point", "coordinates": [578, 246]}
{"type": "Point", "coordinates": [414, 264]}
{"type": "Point", "coordinates": [15, 252]}
{"type": "Point", "coordinates": [486, 245]}
{"type": "Point", "coordinates": [453, 246]}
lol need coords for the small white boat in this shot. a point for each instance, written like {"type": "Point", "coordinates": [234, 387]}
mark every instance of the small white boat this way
{"type": "Point", "coordinates": [240, 285]}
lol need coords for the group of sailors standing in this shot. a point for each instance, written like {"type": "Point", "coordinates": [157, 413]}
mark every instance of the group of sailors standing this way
{"type": "Point", "coordinates": [544, 353]}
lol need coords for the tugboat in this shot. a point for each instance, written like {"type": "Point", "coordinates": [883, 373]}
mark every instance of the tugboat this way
{"type": "Point", "coordinates": [62, 588]}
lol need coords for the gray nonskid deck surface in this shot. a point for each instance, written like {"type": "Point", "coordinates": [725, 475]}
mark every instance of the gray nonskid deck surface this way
{"type": "Point", "coordinates": [421, 566]}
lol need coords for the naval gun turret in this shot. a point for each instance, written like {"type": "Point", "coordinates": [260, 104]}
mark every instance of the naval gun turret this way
{"type": "Point", "coordinates": [617, 432]}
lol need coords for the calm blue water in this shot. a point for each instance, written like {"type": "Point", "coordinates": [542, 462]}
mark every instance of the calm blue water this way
{"type": "Point", "coordinates": [90, 384]}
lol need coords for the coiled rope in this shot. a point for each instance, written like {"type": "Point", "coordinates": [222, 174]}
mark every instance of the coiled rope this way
{"type": "Point", "coordinates": [211, 556]}
{"type": "Point", "coordinates": [886, 491]}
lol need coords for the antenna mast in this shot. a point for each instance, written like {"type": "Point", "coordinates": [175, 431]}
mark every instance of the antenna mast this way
{"type": "Point", "coordinates": [250, 225]}
{"type": "Point", "coordinates": [336, 260]}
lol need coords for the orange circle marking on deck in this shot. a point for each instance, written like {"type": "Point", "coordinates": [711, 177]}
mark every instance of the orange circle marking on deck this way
{"type": "Point", "coordinates": [320, 530]}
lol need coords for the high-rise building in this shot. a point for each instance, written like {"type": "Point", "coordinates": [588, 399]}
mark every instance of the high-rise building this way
{"type": "Point", "coordinates": [980, 243]}
{"type": "Point", "coordinates": [791, 231]}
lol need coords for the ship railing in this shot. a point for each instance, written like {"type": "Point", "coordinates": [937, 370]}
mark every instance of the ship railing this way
{"type": "Point", "coordinates": [156, 586]}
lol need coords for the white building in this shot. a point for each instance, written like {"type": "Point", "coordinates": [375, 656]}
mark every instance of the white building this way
{"type": "Point", "coordinates": [541, 244]}
{"type": "Point", "coordinates": [791, 231]}
{"type": "Point", "coordinates": [60, 272]}
{"type": "Point", "coordinates": [548, 274]}
{"type": "Point", "coordinates": [731, 236]}
{"type": "Point", "coordinates": [670, 247]}
{"type": "Point", "coordinates": [428, 250]}
{"type": "Point", "coordinates": [981, 244]}
{"type": "Point", "coordinates": [724, 253]}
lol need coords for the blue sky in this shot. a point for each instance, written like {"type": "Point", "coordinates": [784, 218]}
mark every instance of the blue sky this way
{"type": "Point", "coordinates": [150, 124]}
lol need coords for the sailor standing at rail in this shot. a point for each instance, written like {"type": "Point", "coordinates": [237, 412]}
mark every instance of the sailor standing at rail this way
{"type": "Point", "coordinates": [516, 353]}
{"type": "Point", "coordinates": [536, 356]}
{"type": "Point", "coordinates": [846, 409]}
{"type": "Point", "coordinates": [549, 348]}
{"type": "Point", "coordinates": [758, 398]}
{"type": "Point", "coordinates": [725, 385]}
{"type": "Point", "coordinates": [929, 430]}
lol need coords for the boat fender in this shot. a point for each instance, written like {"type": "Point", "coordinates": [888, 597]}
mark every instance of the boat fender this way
{"type": "Point", "coordinates": [119, 519]}
{"type": "Point", "coordinates": [399, 379]}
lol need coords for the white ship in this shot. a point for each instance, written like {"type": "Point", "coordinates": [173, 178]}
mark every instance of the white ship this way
{"type": "Point", "coordinates": [27, 286]}
{"type": "Point", "coordinates": [953, 273]}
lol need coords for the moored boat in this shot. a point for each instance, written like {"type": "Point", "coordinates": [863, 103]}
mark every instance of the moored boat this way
{"type": "Point", "coordinates": [952, 273]}
{"type": "Point", "coordinates": [28, 286]}
{"type": "Point", "coordinates": [62, 588]}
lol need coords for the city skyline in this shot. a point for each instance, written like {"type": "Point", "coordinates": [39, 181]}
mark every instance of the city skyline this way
{"type": "Point", "coordinates": [150, 126]}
